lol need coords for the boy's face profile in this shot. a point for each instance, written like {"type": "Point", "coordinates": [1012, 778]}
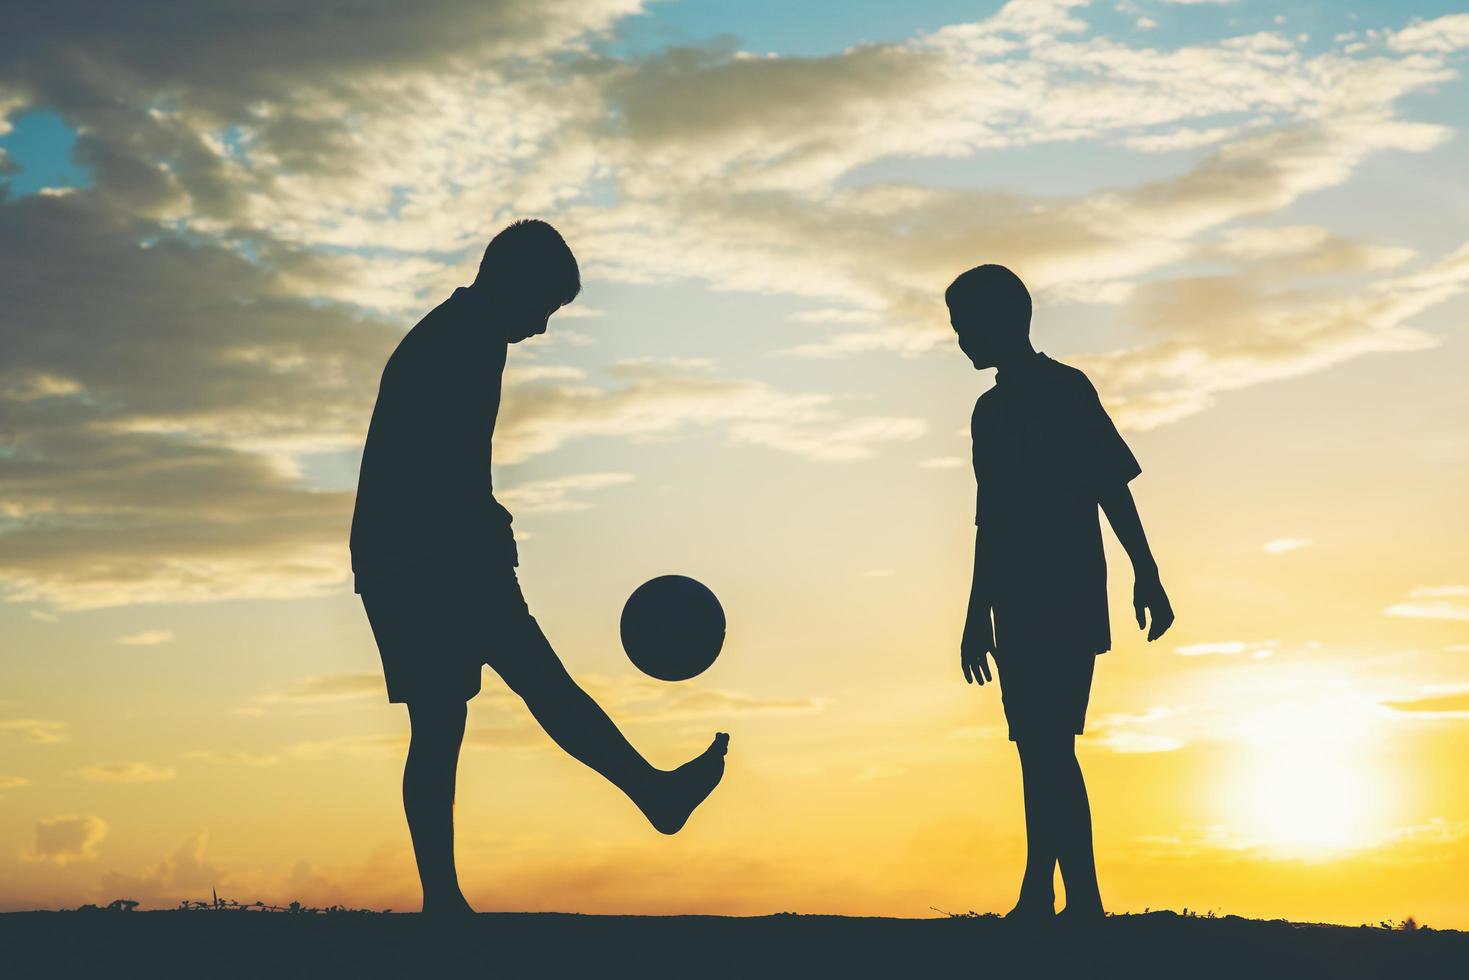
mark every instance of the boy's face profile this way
{"type": "Point", "coordinates": [976, 337]}
{"type": "Point", "coordinates": [525, 315]}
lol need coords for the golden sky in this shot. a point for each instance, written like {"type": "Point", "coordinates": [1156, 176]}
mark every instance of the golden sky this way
{"type": "Point", "coordinates": [1247, 228]}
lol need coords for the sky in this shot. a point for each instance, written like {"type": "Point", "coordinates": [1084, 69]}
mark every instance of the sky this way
{"type": "Point", "coordinates": [1246, 225]}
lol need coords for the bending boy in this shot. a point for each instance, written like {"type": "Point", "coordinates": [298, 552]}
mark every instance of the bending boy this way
{"type": "Point", "coordinates": [435, 558]}
{"type": "Point", "coordinates": [1046, 455]}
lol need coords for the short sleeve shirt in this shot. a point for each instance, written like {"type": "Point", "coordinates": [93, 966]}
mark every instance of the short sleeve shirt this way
{"type": "Point", "coordinates": [1045, 451]}
{"type": "Point", "coordinates": [424, 492]}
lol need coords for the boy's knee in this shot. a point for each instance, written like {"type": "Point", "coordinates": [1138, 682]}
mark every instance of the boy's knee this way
{"type": "Point", "coordinates": [437, 718]}
{"type": "Point", "coordinates": [536, 670]}
{"type": "Point", "coordinates": [1047, 747]}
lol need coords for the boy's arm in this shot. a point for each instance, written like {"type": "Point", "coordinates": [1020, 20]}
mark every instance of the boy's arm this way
{"type": "Point", "coordinates": [979, 631]}
{"type": "Point", "coordinates": [1147, 590]}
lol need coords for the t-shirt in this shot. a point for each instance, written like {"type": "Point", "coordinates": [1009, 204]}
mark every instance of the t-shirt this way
{"type": "Point", "coordinates": [1045, 450]}
{"type": "Point", "coordinates": [424, 491]}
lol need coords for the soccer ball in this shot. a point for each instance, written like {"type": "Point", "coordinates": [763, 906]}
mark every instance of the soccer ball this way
{"type": "Point", "coordinates": [672, 627]}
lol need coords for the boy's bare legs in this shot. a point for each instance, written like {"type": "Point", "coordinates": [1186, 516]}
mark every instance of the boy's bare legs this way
{"type": "Point", "coordinates": [576, 723]}
{"type": "Point", "coordinates": [428, 800]}
{"type": "Point", "coordinates": [1058, 827]}
{"type": "Point", "coordinates": [1078, 862]}
{"type": "Point", "coordinates": [579, 725]}
{"type": "Point", "coordinates": [1037, 888]}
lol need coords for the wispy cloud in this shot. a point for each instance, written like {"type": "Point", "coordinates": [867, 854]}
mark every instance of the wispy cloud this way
{"type": "Point", "coordinates": [232, 758]}
{"type": "Point", "coordinates": [146, 638]}
{"type": "Point", "coordinates": [127, 772]}
{"type": "Point", "coordinates": [1434, 602]}
{"type": "Point", "coordinates": [652, 398]}
{"type": "Point", "coordinates": [40, 731]}
{"type": "Point", "coordinates": [65, 839]}
{"type": "Point", "coordinates": [326, 688]}
{"type": "Point", "coordinates": [1259, 649]}
{"type": "Point", "coordinates": [359, 746]}
{"type": "Point", "coordinates": [1280, 546]}
{"type": "Point", "coordinates": [1441, 702]}
{"type": "Point", "coordinates": [1440, 35]}
{"type": "Point", "coordinates": [560, 493]}
{"type": "Point", "coordinates": [1136, 732]}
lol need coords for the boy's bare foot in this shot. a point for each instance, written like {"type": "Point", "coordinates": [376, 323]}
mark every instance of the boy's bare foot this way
{"type": "Point", "coordinates": [679, 792]}
{"type": "Point", "coordinates": [447, 907]}
{"type": "Point", "coordinates": [1081, 915]}
{"type": "Point", "coordinates": [1027, 912]}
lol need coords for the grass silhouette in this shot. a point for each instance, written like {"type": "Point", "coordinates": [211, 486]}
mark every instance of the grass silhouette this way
{"type": "Point", "coordinates": [224, 939]}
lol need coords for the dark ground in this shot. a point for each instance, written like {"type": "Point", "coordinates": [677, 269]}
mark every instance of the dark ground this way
{"type": "Point", "coordinates": [224, 944]}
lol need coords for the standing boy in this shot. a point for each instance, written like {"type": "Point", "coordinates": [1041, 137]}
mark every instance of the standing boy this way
{"type": "Point", "coordinates": [1046, 455]}
{"type": "Point", "coordinates": [435, 558]}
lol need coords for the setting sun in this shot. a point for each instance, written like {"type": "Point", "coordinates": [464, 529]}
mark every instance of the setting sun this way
{"type": "Point", "coordinates": [1305, 783]}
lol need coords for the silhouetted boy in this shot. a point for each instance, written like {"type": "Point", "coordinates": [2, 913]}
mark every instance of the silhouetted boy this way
{"type": "Point", "coordinates": [435, 559]}
{"type": "Point", "coordinates": [1045, 456]}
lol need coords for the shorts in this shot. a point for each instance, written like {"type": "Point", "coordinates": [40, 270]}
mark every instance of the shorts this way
{"type": "Point", "coordinates": [1045, 695]}
{"type": "Point", "coordinates": [437, 627]}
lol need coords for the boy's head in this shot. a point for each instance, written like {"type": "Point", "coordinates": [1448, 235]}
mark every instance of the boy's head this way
{"type": "Point", "coordinates": [989, 308]}
{"type": "Point", "coordinates": [530, 273]}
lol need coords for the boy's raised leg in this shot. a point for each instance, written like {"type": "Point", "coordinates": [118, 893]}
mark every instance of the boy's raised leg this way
{"type": "Point", "coordinates": [578, 724]}
{"type": "Point", "coordinates": [428, 799]}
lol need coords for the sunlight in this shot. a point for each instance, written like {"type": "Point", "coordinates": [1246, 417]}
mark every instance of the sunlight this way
{"type": "Point", "coordinates": [1305, 785]}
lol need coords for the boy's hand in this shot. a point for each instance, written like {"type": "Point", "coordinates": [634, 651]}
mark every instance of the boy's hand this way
{"type": "Point", "coordinates": [975, 647]}
{"type": "Point", "coordinates": [1148, 595]}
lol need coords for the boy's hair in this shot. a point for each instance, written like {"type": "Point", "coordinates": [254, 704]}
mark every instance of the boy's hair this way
{"type": "Point", "coordinates": [995, 289]}
{"type": "Point", "coordinates": [530, 254]}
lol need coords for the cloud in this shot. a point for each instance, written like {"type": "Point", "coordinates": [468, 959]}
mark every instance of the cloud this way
{"type": "Point", "coordinates": [168, 474]}
{"type": "Point", "coordinates": [12, 782]}
{"type": "Point", "coordinates": [326, 688]}
{"type": "Point", "coordinates": [1441, 35]}
{"type": "Point", "coordinates": [660, 398]}
{"type": "Point", "coordinates": [127, 772]}
{"type": "Point", "coordinates": [146, 638]}
{"type": "Point", "coordinates": [944, 463]}
{"type": "Point", "coordinates": [268, 51]}
{"type": "Point", "coordinates": [631, 700]}
{"type": "Point", "coordinates": [526, 735]}
{"type": "Point", "coordinates": [232, 758]}
{"type": "Point", "coordinates": [167, 468]}
{"type": "Point", "coordinates": [62, 840]}
{"type": "Point", "coordinates": [558, 494]}
{"type": "Point", "coordinates": [1435, 602]}
{"type": "Point", "coordinates": [1139, 742]}
{"type": "Point", "coordinates": [1445, 703]}
{"type": "Point", "coordinates": [1224, 333]}
{"type": "Point", "coordinates": [39, 731]}
{"type": "Point", "coordinates": [1279, 546]}
{"type": "Point", "coordinates": [640, 699]}
{"type": "Point", "coordinates": [271, 201]}
{"type": "Point", "coordinates": [184, 874]}
{"type": "Point", "coordinates": [351, 746]}
{"type": "Point", "coordinates": [1286, 251]}
{"type": "Point", "coordinates": [1129, 733]}
{"type": "Point", "coordinates": [1258, 648]}
{"type": "Point", "coordinates": [869, 773]}
{"type": "Point", "coordinates": [1180, 138]}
